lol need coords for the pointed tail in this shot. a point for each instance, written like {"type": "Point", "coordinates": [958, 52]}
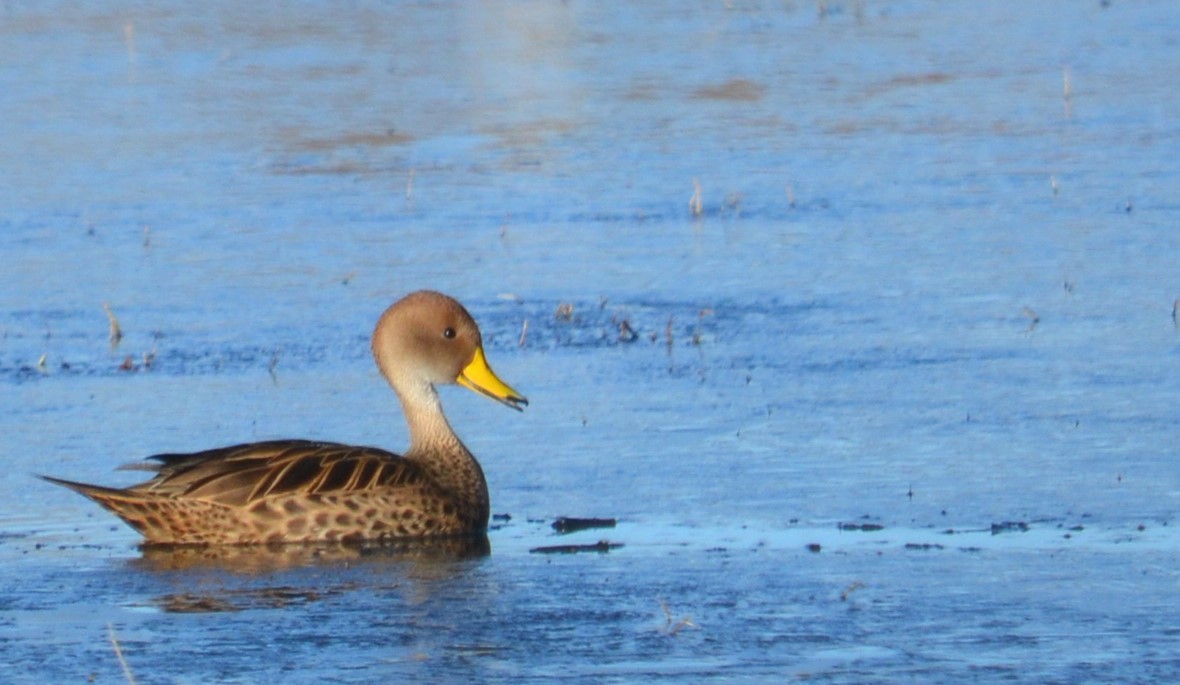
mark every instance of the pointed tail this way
{"type": "Point", "coordinates": [97, 493]}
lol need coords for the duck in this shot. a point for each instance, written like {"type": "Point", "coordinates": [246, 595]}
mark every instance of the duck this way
{"type": "Point", "coordinates": [306, 491]}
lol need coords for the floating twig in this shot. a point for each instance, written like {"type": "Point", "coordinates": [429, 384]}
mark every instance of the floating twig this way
{"type": "Point", "coordinates": [602, 547]}
{"type": "Point", "coordinates": [565, 524]}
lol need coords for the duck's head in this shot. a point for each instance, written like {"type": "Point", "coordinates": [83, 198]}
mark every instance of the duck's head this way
{"type": "Point", "coordinates": [427, 339]}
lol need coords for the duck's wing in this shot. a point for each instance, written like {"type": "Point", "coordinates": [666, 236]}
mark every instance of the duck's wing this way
{"type": "Point", "coordinates": [242, 474]}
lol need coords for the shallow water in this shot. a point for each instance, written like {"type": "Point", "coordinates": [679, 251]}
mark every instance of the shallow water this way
{"type": "Point", "coordinates": [929, 289]}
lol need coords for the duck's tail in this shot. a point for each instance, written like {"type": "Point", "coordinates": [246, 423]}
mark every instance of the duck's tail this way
{"type": "Point", "coordinates": [146, 514]}
{"type": "Point", "coordinates": [95, 492]}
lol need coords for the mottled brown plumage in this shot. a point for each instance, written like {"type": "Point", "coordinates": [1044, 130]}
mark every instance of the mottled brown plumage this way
{"type": "Point", "coordinates": [304, 491]}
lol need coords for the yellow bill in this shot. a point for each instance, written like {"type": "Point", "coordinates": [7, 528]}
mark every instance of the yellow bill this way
{"type": "Point", "coordinates": [478, 376]}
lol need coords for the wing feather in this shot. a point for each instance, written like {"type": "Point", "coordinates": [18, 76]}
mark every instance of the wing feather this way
{"type": "Point", "coordinates": [242, 474]}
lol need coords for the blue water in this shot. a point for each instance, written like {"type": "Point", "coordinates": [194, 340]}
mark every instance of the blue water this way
{"type": "Point", "coordinates": [930, 288]}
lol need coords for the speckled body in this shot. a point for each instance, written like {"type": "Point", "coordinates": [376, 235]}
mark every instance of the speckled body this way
{"type": "Point", "coordinates": [314, 492]}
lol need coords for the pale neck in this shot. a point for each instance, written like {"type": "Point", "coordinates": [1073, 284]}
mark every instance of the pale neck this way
{"type": "Point", "coordinates": [429, 430]}
{"type": "Point", "coordinates": [435, 447]}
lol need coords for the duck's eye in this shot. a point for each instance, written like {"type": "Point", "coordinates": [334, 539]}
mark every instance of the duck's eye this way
{"type": "Point", "coordinates": [449, 333]}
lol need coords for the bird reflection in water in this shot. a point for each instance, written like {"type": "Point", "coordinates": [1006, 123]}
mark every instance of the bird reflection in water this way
{"type": "Point", "coordinates": [395, 561]}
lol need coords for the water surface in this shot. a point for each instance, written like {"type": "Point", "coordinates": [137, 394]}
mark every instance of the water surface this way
{"type": "Point", "coordinates": [929, 288]}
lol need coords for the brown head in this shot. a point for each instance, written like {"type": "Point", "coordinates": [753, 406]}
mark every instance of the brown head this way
{"type": "Point", "coordinates": [427, 339]}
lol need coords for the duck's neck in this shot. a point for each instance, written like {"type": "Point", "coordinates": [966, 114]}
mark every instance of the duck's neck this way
{"type": "Point", "coordinates": [436, 449]}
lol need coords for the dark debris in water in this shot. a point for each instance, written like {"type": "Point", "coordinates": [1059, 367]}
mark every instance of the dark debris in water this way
{"type": "Point", "coordinates": [603, 323]}
{"type": "Point", "coordinates": [565, 524]}
{"type": "Point", "coordinates": [215, 359]}
{"type": "Point", "coordinates": [861, 527]}
{"type": "Point", "coordinates": [1009, 527]}
{"type": "Point", "coordinates": [499, 521]}
{"type": "Point", "coordinates": [550, 324]}
{"type": "Point", "coordinates": [602, 546]}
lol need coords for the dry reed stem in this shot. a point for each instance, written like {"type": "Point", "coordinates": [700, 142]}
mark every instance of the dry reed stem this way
{"type": "Point", "coordinates": [116, 331]}
{"type": "Point", "coordinates": [852, 587]}
{"type": "Point", "coordinates": [119, 653]}
{"type": "Point", "coordinates": [673, 626]}
{"type": "Point", "coordinates": [1033, 317]}
{"type": "Point", "coordinates": [273, 365]}
{"type": "Point", "coordinates": [129, 39]}
{"type": "Point", "coordinates": [1066, 92]}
